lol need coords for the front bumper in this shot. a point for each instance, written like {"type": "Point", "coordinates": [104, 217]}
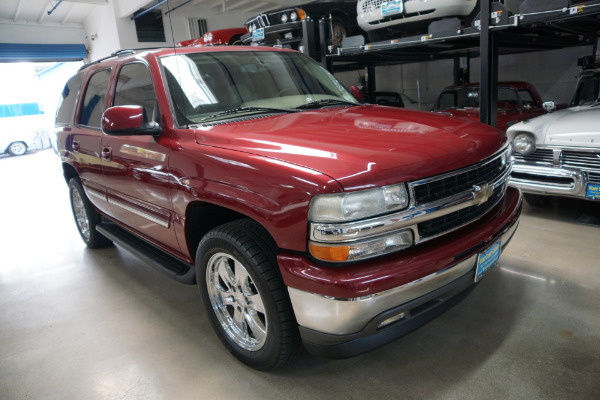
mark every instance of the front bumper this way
{"type": "Point", "coordinates": [342, 312]}
{"type": "Point", "coordinates": [559, 181]}
{"type": "Point", "coordinates": [415, 11]}
{"type": "Point", "coordinates": [288, 33]}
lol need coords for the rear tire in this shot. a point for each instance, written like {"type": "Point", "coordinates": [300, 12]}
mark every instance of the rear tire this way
{"type": "Point", "coordinates": [245, 299]}
{"type": "Point", "coordinates": [86, 217]}
{"type": "Point", "coordinates": [17, 148]}
{"type": "Point", "coordinates": [537, 200]}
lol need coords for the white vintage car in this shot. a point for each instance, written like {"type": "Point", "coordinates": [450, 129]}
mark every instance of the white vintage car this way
{"type": "Point", "coordinates": [558, 154]}
{"type": "Point", "coordinates": [379, 18]}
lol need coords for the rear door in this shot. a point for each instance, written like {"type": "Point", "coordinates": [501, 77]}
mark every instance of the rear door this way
{"type": "Point", "coordinates": [81, 142]}
{"type": "Point", "coordinates": [136, 167]}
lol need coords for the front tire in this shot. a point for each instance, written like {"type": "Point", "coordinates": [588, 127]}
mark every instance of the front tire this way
{"type": "Point", "coordinates": [244, 296]}
{"type": "Point", "coordinates": [17, 148]}
{"type": "Point", "coordinates": [86, 217]}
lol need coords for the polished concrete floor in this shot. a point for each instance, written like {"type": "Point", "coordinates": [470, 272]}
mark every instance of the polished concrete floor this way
{"type": "Point", "coordinates": [82, 324]}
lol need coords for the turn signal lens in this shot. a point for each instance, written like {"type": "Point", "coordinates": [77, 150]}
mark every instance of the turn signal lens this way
{"type": "Point", "coordinates": [362, 250]}
{"type": "Point", "coordinates": [326, 253]}
{"type": "Point", "coordinates": [301, 13]}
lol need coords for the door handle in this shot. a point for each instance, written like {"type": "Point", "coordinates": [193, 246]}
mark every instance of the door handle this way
{"type": "Point", "coordinates": [106, 153]}
{"type": "Point", "coordinates": [75, 146]}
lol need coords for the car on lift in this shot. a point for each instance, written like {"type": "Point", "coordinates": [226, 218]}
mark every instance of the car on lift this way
{"type": "Point", "coordinates": [558, 154]}
{"type": "Point", "coordinates": [284, 25]}
{"type": "Point", "coordinates": [517, 101]}
{"type": "Point", "coordinates": [229, 36]}
{"type": "Point", "coordinates": [391, 19]}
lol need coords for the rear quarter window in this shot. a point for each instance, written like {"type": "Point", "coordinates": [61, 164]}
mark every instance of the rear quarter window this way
{"type": "Point", "coordinates": [68, 97]}
{"type": "Point", "coordinates": [93, 102]}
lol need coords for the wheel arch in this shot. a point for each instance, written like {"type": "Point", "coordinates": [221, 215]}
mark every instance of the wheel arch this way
{"type": "Point", "coordinates": [202, 217]}
{"type": "Point", "coordinates": [69, 172]}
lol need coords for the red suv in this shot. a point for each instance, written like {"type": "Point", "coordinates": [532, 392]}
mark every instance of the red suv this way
{"type": "Point", "coordinates": [299, 212]}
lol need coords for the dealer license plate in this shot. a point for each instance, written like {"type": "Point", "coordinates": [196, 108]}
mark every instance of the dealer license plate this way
{"type": "Point", "coordinates": [258, 34]}
{"type": "Point", "coordinates": [392, 8]}
{"type": "Point", "coordinates": [486, 260]}
{"type": "Point", "coordinates": [593, 192]}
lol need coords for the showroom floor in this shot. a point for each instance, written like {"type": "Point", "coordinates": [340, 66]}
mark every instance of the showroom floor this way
{"type": "Point", "coordinates": [82, 324]}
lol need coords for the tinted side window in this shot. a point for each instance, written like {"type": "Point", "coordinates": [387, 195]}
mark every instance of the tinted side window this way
{"type": "Point", "coordinates": [134, 87]}
{"type": "Point", "coordinates": [66, 103]}
{"type": "Point", "coordinates": [93, 103]}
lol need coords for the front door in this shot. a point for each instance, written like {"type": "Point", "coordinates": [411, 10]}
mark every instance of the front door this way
{"type": "Point", "coordinates": [136, 166]}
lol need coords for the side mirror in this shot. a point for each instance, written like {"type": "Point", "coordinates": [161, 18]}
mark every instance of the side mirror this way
{"type": "Point", "coordinates": [128, 120]}
{"type": "Point", "coordinates": [357, 93]}
{"type": "Point", "coordinates": [549, 106]}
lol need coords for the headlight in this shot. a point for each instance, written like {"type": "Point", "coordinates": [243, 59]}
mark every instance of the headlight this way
{"type": "Point", "coordinates": [345, 207]}
{"type": "Point", "coordinates": [209, 37]}
{"type": "Point", "coordinates": [524, 143]}
{"type": "Point", "coordinates": [343, 226]}
{"type": "Point", "coordinates": [293, 17]}
{"type": "Point", "coordinates": [284, 18]}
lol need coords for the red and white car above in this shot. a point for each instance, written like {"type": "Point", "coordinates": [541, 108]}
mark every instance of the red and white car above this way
{"type": "Point", "coordinates": [230, 36]}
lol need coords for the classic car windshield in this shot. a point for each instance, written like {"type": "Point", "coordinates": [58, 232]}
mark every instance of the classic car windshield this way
{"type": "Point", "coordinates": [587, 92]}
{"type": "Point", "coordinates": [219, 84]}
{"type": "Point", "coordinates": [468, 97]}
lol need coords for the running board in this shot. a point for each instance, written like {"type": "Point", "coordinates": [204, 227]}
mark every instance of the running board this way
{"type": "Point", "coordinates": [152, 255]}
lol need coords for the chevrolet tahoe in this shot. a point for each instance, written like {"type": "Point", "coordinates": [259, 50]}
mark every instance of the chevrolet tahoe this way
{"type": "Point", "coordinates": [303, 216]}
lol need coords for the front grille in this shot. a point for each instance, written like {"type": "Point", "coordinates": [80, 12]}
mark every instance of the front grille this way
{"type": "Point", "coordinates": [375, 4]}
{"type": "Point", "coordinates": [539, 156]}
{"type": "Point", "coordinates": [437, 226]}
{"type": "Point", "coordinates": [461, 182]}
{"type": "Point", "coordinates": [587, 160]}
{"type": "Point", "coordinates": [549, 179]}
{"type": "Point", "coordinates": [594, 178]}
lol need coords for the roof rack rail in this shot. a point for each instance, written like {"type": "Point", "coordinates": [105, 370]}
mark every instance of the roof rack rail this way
{"type": "Point", "coordinates": [118, 53]}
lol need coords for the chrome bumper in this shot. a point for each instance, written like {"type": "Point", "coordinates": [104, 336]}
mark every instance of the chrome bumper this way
{"type": "Point", "coordinates": [549, 180]}
{"type": "Point", "coordinates": [334, 316]}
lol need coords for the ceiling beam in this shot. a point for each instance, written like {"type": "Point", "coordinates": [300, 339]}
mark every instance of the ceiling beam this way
{"type": "Point", "coordinates": [258, 6]}
{"type": "Point", "coordinates": [239, 4]}
{"type": "Point", "coordinates": [16, 16]}
{"type": "Point", "coordinates": [68, 14]}
{"type": "Point", "coordinates": [43, 14]}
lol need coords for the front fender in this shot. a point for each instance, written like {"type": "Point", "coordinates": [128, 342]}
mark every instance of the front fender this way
{"type": "Point", "coordinates": [272, 192]}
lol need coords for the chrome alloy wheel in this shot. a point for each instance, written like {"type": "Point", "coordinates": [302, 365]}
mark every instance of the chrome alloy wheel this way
{"type": "Point", "coordinates": [17, 148]}
{"type": "Point", "coordinates": [80, 215]}
{"type": "Point", "coordinates": [236, 302]}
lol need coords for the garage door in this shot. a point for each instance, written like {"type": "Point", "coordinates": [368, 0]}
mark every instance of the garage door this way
{"type": "Point", "coordinates": [13, 52]}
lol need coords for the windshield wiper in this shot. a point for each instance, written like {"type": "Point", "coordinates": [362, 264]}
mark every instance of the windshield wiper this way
{"type": "Point", "coordinates": [241, 110]}
{"type": "Point", "coordinates": [325, 102]}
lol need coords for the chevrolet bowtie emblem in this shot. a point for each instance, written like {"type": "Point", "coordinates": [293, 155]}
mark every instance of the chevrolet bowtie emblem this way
{"type": "Point", "coordinates": [481, 194]}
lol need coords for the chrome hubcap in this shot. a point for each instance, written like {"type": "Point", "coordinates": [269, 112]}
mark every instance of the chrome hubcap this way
{"type": "Point", "coordinates": [80, 216]}
{"type": "Point", "coordinates": [18, 148]}
{"type": "Point", "coordinates": [236, 301]}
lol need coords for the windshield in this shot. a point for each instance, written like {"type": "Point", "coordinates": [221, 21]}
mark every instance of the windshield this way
{"type": "Point", "coordinates": [587, 92]}
{"type": "Point", "coordinates": [468, 97]}
{"type": "Point", "coordinates": [221, 84]}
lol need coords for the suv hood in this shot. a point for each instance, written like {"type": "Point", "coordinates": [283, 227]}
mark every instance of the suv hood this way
{"type": "Point", "coordinates": [575, 126]}
{"type": "Point", "coordinates": [362, 146]}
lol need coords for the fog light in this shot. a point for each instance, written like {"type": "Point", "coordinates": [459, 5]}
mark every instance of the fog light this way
{"type": "Point", "coordinates": [391, 320]}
